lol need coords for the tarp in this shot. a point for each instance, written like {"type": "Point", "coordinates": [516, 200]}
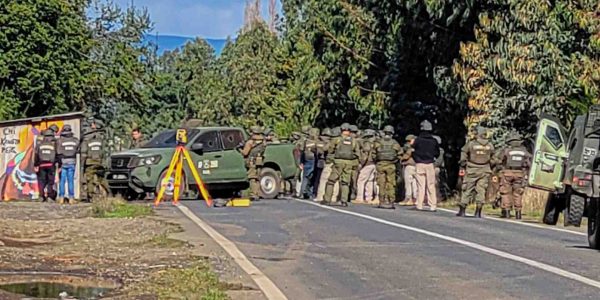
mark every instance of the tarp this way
{"type": "Point", "coordinates": [18, 138]}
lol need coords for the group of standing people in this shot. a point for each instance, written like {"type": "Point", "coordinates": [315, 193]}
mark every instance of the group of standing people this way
{"type": "Point", "coordinates": [57, 149]}
{"type": "Point", "coordinates": [345, 164]}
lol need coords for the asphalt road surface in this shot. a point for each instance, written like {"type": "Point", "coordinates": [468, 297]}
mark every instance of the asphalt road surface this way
{"type": "Point", "coordinates": [360, 252]}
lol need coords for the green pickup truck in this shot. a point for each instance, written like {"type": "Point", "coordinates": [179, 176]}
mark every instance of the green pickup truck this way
{"type": "Point", "coordinates": [214, 151]}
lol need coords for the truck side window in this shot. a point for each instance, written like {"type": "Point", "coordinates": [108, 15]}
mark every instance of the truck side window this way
{"type": "Point", "coordinates": [210, 140]}
{"type": "Point", "coordinates": [231, 139]}
{"type": "Point", "coordinates": [553, 135]}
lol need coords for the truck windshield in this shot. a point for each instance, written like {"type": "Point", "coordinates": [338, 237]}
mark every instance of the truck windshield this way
{"type": "Point", "coordinates": [168, 139]}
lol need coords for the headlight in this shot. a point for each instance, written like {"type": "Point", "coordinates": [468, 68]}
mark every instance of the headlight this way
{"type": "Point", "coordinates": [147, 161]}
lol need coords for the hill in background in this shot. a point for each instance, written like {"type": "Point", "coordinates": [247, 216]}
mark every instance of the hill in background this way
{"type": "Point", "coordinates": [172, 42]}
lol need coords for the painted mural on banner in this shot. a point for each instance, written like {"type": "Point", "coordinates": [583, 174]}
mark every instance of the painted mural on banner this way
{"type": "Point", "coordinates": [18, 179]}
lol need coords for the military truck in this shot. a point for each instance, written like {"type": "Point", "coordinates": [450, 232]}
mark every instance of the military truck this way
{"type": "Point", "coordinates": [568, 166]}
{"type": "Point", "coordinates": [214, 151]}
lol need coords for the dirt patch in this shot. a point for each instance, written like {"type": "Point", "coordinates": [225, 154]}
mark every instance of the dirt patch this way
{"type": "Point", "coordinates": [64, 239]}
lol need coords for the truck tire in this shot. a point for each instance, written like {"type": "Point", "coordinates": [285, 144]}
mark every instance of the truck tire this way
{"type": "Point", "coordinates": [270, 183]}
{"type": "Point", "coordinates": [594, 225]}
{"type": "Point", "coordinates": [574, 210]}
{"type": "Point", "coordinates": [552, 210]}
{"type": "Point", "coordinates": [168, 195]}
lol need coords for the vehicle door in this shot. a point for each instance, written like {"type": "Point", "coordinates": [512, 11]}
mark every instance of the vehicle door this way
{"type": "Point", "coordinates": [208, 159]}
{"type": "Point", "coordinates": [550, 153]}
{"type": "Point", "coordinates": [233, 164]}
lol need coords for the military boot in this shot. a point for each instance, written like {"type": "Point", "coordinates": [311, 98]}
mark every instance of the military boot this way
{"type": "Point", "coordinates": [505, 214]}
{"type": "Point", "coordinates": [478, 210]}
{"type": "Point", "coordinates": [518, 215]}
{"type": "Point", "coordinates": [461, 211]}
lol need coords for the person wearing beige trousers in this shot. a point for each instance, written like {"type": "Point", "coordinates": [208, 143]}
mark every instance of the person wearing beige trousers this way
{"type": "Point", "coordinates": [426, 150]}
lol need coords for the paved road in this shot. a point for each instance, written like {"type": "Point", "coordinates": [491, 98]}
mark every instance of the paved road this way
{"type": "Point", "coordinates": [311, 252]}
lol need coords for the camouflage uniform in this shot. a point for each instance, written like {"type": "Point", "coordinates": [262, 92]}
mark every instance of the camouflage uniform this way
{"type": "Point", "coordinates": [322, 147]}
{"type": "Point", "coordinates": [515, 161]}
{"type": "Point", "coordinates": [344, 152]}
{"type": "Point", "coordinates": [355, 133]}
{"type": "Point", "coordinates": [387, 152]}
{"type": "Point", "coordinates": [366, 183]}
{"type": "Point", "coordinates": [92, 155]}
{"type": "Point", "coordinates": [477, 158]}
{"type": "Point", "coordinates": [271, 137]}
{"type": "Point", "coordinates": [299, 147]}
{"type": "Point", "coordinates": [253, 152]}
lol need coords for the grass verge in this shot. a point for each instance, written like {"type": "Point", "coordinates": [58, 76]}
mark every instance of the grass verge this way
{"type": "Point", "coordinates": [118, 208]}
{"type": "Point", "coordinates": [195, 282]}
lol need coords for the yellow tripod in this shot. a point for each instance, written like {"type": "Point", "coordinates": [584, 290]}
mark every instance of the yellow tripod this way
{"type": "Point", "coordinates": [176, 165]}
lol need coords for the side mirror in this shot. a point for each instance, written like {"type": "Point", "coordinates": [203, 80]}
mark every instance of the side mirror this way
{"type": "Point", "coordinates": [197, 147]}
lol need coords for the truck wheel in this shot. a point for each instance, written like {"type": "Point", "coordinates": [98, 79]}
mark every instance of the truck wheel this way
{"type": "Point", "coordinates": [270, 183]}
{"type": "Point", "coordinates": [552, 210]}
{"type": "Point", "coordinates": [574, 210]}
{"type": "Point", "coordinates": [170, 186]}
{"type": "Point", "coordinates": [594, 225]}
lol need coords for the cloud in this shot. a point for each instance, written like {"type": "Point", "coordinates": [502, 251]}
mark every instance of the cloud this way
{"type": "Point", "coordinates": [205, 18]}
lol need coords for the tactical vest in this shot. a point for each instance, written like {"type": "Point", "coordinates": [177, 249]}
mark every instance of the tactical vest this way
{"type": "Point", "coordinates": [68, 149]}
{"type": "Point", "coordinates": [367, 150]}
{"type": "Point", "coordinates": [95, 151]}
{"type": "Point", "coordinates": [310, 148]}
{"type": "Point", "coordinates": [257, 152]}
{"type": "Point", "coordinates": [515, 158]}
{"type": "Point", "coordinates": [345, 149]}
{"type": "Point", "coordinates": [480, 154]}
{"type": "Point", "coordinates": [386, 151]}
{"type": "Point", "coordinates": [47, 150]}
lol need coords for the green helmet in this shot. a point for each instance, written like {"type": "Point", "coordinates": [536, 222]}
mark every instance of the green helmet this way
{"type": "Point", "coordinates": [513, 137]}
{"type": "Point", "coordinates": [268, 131]}
{"type": "Point", "coordinates": [314, 132]}
{"type": "Point", "coordinates": [296, 135]}
{"type": "Point", "coordinates": [306, 129]}
{"type": "Point", "coordinates": [326, 132]}
{"type": "Point", "coordinates": [48, 132]}
{"type": "Point", "coordinates": [345, 127]}
{"type": "Point", "coordinates": [368, 133]}
{"type": "Point", "coordinates": [426, 126]}
{"type": "Point", "coordinates": [388, 129]}
{"type": "Point", "coordinates": [481, 132]}
{"type": "Point", "coordinates": [410, 137]}
{"type": "Point", "coordinates": [336, 131]}
{"type": "Point", "coordinates": [256, 130]}
{"type": "Point", "coordinates": [353, 128]}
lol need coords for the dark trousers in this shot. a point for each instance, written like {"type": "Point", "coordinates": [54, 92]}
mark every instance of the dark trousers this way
{"type": "Point", "coordinates": [46, 181]}
{"type": "Point", "coordinates": [317, 177]}
{"type": "Point", "coordinates": [307, 183]}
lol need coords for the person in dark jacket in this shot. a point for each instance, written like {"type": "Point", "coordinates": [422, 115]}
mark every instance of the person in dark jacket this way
{"type": "Point", "coordinates": [426, 151]}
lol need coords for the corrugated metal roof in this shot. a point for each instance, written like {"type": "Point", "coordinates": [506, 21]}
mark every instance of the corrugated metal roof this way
{"type": "Point", "coordinates": [44, 118]}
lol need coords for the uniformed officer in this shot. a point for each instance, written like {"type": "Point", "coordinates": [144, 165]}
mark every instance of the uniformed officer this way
{"type": "Point", "coordinates": [365, 189]}
{"type": "Point", "coordinates": [296, 182]}
{"type": "Point", "coordinates": [334, 133]}
{"type": "Point", "coordinates": [409, 172]}
{"type": "Point", "coordinates": [355, 133]}
{"type": "Point", "coordinates": [137, 139]}
{"type": "Point", "coordinates": [67, 148]}
{"type": "Point", "coordinates": [308, 159]}
{"type": "Point", "coordinates": [253, 152]}
{"type": "Point", "coordinates": [322, 147]}
{"type": "Point", "coordinates": [299, 148]}
{"type": "Point", "coordinates": [271, 137]}
{"type": "Point", "coordinates": [344, 152]}
{"type": "Point", "coordinates": [45, 165]}
{"type": "Point", "coordinates": [515, 160]}
{"type": "Point", "coordinates": [387, 153]}
{"type": "Point", "coordinates": [92, 156]}
{"type": "Point", "coordinates": [476, 166]}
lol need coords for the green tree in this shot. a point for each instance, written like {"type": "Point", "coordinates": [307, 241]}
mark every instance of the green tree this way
{"type": "Point", "coordinates": [43, 57]}
{"type": "Point", "coordinates": [530, 57]}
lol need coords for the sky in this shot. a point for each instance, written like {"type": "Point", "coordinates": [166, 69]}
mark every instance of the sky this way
{"type": "Point", "coordinates": [191, 18]}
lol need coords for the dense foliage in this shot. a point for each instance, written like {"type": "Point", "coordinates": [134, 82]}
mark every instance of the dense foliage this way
{"type": "Point", "coordinates": [499, 63]}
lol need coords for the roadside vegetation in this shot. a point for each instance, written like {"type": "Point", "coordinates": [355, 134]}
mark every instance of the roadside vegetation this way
{"type": "Point", "coordinates": [113, 207]}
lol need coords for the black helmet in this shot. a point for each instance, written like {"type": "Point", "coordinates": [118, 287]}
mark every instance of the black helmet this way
{"type": "Point", "coordinates": [67, 128]}
{"type": "Point", "coordinates": [54, 128]}
{"type": "Point", "coordinates": [388, 129]}
{"type": "Point", "coordinates": [48, 132]}
{"type": "Point", "coordinates": [513, 137]}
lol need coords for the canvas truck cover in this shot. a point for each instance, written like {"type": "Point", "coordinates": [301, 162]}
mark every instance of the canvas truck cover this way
{"type": "Point", "coordinates": [18, 179]}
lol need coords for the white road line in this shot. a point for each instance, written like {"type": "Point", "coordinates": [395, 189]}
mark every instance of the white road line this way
{"type": "Point", "coordinates": [525, 224]}
{"type": "Point", "coordinates": [267, 286]}
{"type": "Point", "coordinates": [529, 262]}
